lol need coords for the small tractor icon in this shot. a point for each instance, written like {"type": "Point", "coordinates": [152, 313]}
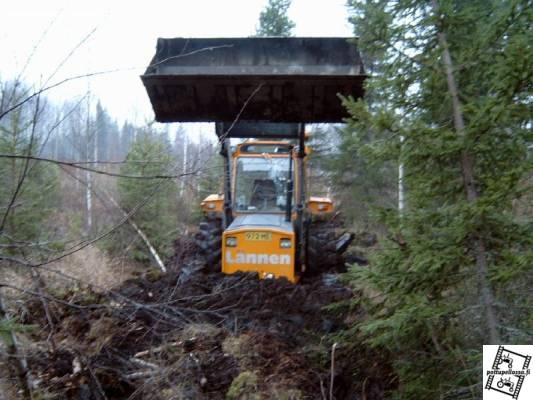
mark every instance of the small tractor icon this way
{"type": "Point", "coordinates": [506, 359]}
{"type": "Point", "coordinates": [506, 382]}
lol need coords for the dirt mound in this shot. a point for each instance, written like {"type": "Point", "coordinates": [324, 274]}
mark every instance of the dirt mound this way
{"type": "Point", "coordinates": [191, 335]}
{"type": "Point", "coordinates": [239, 302]}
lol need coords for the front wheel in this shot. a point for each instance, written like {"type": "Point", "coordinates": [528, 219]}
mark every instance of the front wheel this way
{"type": "Point", "coordinates": [209, 242]}
{"type": "Point", "coordinates": [326, 247]}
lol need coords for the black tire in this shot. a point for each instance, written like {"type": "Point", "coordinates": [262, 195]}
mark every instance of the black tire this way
{"type": "Point", "coordinates": [324, 252]}
{"type": "Point", "coordinates": [209, 242]}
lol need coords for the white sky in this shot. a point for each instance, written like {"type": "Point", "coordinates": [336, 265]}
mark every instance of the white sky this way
{"type": "Point", "coordinates": [125, 39]}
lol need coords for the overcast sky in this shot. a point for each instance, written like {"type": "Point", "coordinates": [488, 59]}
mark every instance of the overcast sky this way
{"type": "Point", "coordinates": [125, 37]}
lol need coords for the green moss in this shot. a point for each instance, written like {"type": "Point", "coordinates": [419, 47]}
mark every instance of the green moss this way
{"type": "Point", "coordinates": [154, 275]}
{"type": "Point", "coordinates": [241, 349]}
{"type": "Point", "coordinates": [244, 387]}
{"type": "Point", "coordinates": [286, 394]}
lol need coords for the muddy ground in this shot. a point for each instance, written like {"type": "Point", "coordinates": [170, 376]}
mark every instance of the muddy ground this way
{"type": "Point", "coordinates": [192, 335]}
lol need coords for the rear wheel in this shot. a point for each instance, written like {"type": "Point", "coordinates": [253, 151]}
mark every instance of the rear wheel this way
{"type": "Point", "coordinates": [326, 247]}
{"type": "Point", "coordinates": [209, 242]}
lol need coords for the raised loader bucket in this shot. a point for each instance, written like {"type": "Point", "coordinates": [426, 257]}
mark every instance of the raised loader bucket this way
{"type": "Point", "coordinates": [274, 79]}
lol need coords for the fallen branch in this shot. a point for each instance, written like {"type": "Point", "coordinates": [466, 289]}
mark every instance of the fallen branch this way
{"type": "Point", "coordinates": [158, 349]}
{"type": "Point", "coordinates": [139, 375]}
{"type": "Point", "coordinates": [153, 251]}
{"type": "Point", "coordinates": [96, 381]}
{"type": "Point", "coordinates": [39, 288]}
{"type": "Point", "coordinates": [14, 356]}
{"type": "Point", "coordinates": [103, 195]}
{"type": "Point", "coordinates": [143, 363]}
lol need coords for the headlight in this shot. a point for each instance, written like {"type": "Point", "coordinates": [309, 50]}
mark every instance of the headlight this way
{"type": "Point", "coordinates": [322, 207]}
{"type": "Point", "coordinates": [285, 243]}
{"type": "Point", "coordinates": [231, 241]}
{"type": "Point", "coordinates": [211, 206]}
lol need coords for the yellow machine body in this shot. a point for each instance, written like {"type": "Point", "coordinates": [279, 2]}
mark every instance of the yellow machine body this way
{"type": "Point", "coordinates": [263, 242]}
{"type": "Point", "coordinates": [259, 249]}
{"type": "Point", "coordinates": [212, 205]}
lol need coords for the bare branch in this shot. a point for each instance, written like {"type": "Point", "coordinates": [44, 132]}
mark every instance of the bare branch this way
{"type": "Point", "coordinates": [36, 46]}
{"type": "Point", "coordinates": [190, 53]}
{"type": "Point", "coordinates": [238, 116]}
{"type": "Point", "coordinates": [91, 74]}
{"type": "Point", "coordinates": [104, 195]}
{"type": "Point", "coordinates": [70, 54]}
{"type": "Point", "coordinates": [97, 171]}
{"type": "Point", "coordinates": [47, 88]}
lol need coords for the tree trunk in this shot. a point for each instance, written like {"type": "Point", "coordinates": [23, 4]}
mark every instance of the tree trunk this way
{"type": "Point", "coordinates": [88, 177]}
{"type": "Point", "coordinates": [145, 239]}
{"type": "Point", "coordinates": [40, 288]}
{"type": "Point", "coordinates": [184, 169]}
{"type": "Point", "coordinates": [105, 196]}
{"type": "Point", "coordinates": [401, 177]}
{"type": "Point", "coordinates": [467, 170]}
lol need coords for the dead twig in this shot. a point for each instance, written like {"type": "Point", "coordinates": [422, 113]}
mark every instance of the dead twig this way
{"type": "Point", "coordinates": [40, 289]}
{"type": "Point", "coordinates": [15, 357]}
{"type": "Point", "coordinates": [158, 349]}
{"type": "Point", "coordinates": [144, 364]}
{"type": "Point", "coordinates": [139, 375]}
{"type": "Point", "coordinates": [96, 381]}
{"type": "Point", "coordinates": [96, 171]}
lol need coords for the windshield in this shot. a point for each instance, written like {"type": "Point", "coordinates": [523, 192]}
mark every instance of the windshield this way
{"type": "Point", "coordinates": [261, 183]}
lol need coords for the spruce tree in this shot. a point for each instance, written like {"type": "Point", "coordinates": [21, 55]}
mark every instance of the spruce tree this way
{"type": "Point", "coordinates": [210, 175]}
{"type": "Point", "coordinates": [449, 98]}
{"type": "Point", "coordinates": [273, 20]}
{"type": "Point", "coordinates": [127, 135]}
{"type": "Point", "coordinates": [361, 185]}
{"type": "Point", "coordinates": [150, 155]}
{"type": "Point", "coordinates": [28, 188]}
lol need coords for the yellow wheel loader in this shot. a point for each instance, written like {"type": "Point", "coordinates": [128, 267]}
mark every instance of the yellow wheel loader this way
{"type": "Point", "coordinates": [260, 92]}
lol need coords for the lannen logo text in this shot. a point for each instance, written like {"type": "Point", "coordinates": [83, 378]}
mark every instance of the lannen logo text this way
{"type": "Point", "coordinates": [252, 258]}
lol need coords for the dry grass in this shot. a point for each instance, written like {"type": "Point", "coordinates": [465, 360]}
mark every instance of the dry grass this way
{"type": "Point", "coordinates": [90, 266]}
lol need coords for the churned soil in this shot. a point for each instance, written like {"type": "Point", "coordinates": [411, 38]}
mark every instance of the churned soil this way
{"type": "Point", "coordinates": [188, 334]}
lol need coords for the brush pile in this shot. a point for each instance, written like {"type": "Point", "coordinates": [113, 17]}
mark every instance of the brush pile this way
{"type": "Point", "coordinates": [187, 334]}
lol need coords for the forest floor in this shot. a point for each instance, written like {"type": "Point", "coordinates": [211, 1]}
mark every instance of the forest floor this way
{"type": "Point", "coordinates": [188, 334]}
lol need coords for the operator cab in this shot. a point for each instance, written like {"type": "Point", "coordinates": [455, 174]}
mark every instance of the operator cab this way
{"type": "Point", "coordinates": [261, 237]}
{"type": "Point", "coordinates": [262, 171]}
